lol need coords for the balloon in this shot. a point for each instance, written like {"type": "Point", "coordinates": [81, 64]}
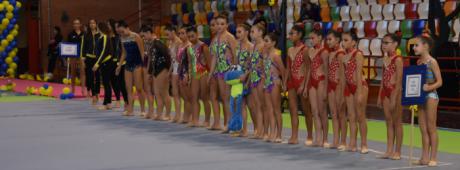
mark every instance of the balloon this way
{"type": "Point", "coordinates": [13, 66]}
{"type": "Point", "coordinates": [9, 15]}
{"type": "Point", "coordinates": [6, 3]}
{"type": "Point", "coordinates": [2, 73]}
{"type": "Point", "coordinates": [4, 43]}
{"type": "Point", "coordinates": [9, 27]}
{"type": "Point", "coordinates": [13, 2]}
{"type": "Point", "coordinates": [9, 8]}
{"type": "Point", "coordinates": [49, 91]}
{"type": "Point", "coordinates": [9, 37]}
{"type": "Point", "coordinates": [3, 54]}
{"type": "Point", "coordinates": [10, 71]}
{"type": "Point", "coordinates": [9, 60]}
{"type": "Point", "coordinates": [62, 96]}
{"type": "Point", "coordinates": [71, 95]}
{"type": "Point", "coordinates": [45, 86]}
{"type": "Point", "coordinates": [13, 21]}
{"type": "Point", "coordinates": [8, 48]}
{"type": "Point", "coordinates": [4, 66]}
{"type": "Point", "coordinates": [16, 59]}
{"type": "Point", "coordinates": [2, 7]}
{"type": "Point", "coordinates": [18, 4]}
{"type": "Point", "coordinates": [3, 88]}
{"type": "Point", "coordinates": [5, 21]}
{"type": "Point", "coordinates": [66, 90]}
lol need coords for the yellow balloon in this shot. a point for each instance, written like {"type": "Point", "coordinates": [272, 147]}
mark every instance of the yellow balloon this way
{"type": "Point", "coordinates": [13, 53]}
{"type": "Point", "coordinates": [14, 33]}
{"type": "Point", "coordinates": [9, 60]}
{"type": "Point", "coordinates": [6, 3]}
{"type": "Point", "coordinates": [4, 43]}
{"type": "Point", "coordinates": [5, 21]}
{"type": "Point", "coordinates": [10, 71]}
{"type": "Point", "coordinates": [22, 76]}
{"type": "Point", "coordinates": [18, 4]}
{"type": "Point", "coordinates": [16, 26]}
{"type": "Point", "coordinates": [9, 15]}
{"type": "Point", "coordinates": [3, 88]}
{"type": "Point", "coordinates": [2, 48]}
{"type": "Point", "coordinates": [2, 7]}
{"type": "Point", "coordinates": [65, 90]}
{"type": "Point", "coordinates": [9, 38]}
{"type": "Point", "coordinates": [13, 66]}
{"type": "Point", "coordinates": [9, 8]}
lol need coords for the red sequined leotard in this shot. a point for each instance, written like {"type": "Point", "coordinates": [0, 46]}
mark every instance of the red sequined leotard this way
{"type": "Point", "coordinates": [388, 72]}
{"type": "Point", "coordinates": [297, 76]}
{"type": "Point", "coordinates": [316, 63]}
{"type": "Point", "coordinates": [350, 68]}
{"type": "Point", "coordinates": [333, 79]}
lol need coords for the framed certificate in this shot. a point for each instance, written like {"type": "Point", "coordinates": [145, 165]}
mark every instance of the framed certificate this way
{"type": "Point", "coordinates": [413, 81]}
{"type": "Point", "coordinates": [69, 49]}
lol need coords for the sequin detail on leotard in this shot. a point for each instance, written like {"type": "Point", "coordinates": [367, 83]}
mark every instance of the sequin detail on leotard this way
{"type": "Point", "coordinates": [199, 67]}
{"type": "Point", "coordinates": [223, 64]}
{"type": "Point", "coordinates": [388, 72]}
{"type": "Point", "coordinates": [133, 55]}
{"type": "Point", "coordinates": [254, 75]}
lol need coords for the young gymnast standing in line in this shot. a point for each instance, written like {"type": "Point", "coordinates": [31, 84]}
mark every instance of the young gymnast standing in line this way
{"type": "Point", "coordinates": [212, 81]}
{"type": "Point", "coordinates": [241, 59]}
{"type": "Point", "coordinates": [104, 64]}
{"type": "Point", "coordinates": [355, 91]}
{"type": "Point", "coordinates": [119, 80]}
{"type": "Point", "coordinates": [318, 56]}
{"type": "Point", "coordinates": [198, 54]}
{"type": "Point", "coordinates": [274, 76]}
{"type": "Point", "coordinates": [88, 53]}
{"type": "Point", "coordinates": [297, 72]}
{"type": "Point", "coordinates": [132, 48]}
{"type": "Point", "coordinates": [428, 112]}
{"type": "Point", "coordinates": [335, 85]}
{"type": "Point", "coordinates": [147, 79]}
{"type": "Point", "coordinates": [223, 49]}
{"type": "Point", "coordinates": [255, 80]}
{"type": "Point", "coordinates": [173, 45]}
{"type": "Point", "coordinates": [184, 75]}
{"type": "Point", "coordinates": [390, 95]}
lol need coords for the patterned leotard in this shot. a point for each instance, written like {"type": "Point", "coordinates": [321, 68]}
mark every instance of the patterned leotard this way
{"type": "Point", "coordinates": [199, 66]}
{"type": "Point", "coordinates": [316, 63]}
{"type": "Point", "coordinates": [388, 72]}
{"type": "Point", "coordinates": [350, 68]}
{"type": "Point", "coordinates": [133, 55]}
{"type": "Point", "coordinates": [219, 50]}
{"type": "Point", "coordinates": [270, 74]}
{"type": "Point", "coordinates": [255, 71]}
{"type": "Point", "coordinates": [334, 65]}
{"type": "Point", "coordinates": [297, 77]}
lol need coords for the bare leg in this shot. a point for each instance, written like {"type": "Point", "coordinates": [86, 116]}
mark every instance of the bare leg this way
{"type": "Point", "coordinates": [362, 120]}
{"type": "Point", "coordinates": [351, 111]}
{"type": "Point", "coordinates": [431, 116]}
{"type": "Point", "coordinates": [292, 97]}
{"type": "Point", "coordinates": [244, 112]}
{"type": "Point", "coordinates": [176, 96]}
{"type": "Point", "coordinates": [397, 124]}
{"type": "Point", "coordinates": [322, 110]}
{"type": "Point", "coordinates": [225, 94]}
{"type": "Point", "coordinates": [314, 100]}
{"type": "Point", "coordinates": [148, 85]}
{"type": "Point", "coordinates": [335, 120]}
{"type": "Point", "coordinates": [422, 120]}
{"type": "Point", "coordinates": [204, 96]}
{"type": "Point", "coordinates": [139, 86]}
{"type": "Point", "coordinates": [343, 123]}
{"type": "Point", "coordinates": [390, 128]}
{"type": "Point", "coordinates": [215, 104]}
{"type": "Point", "coordinates": [270, 117]}
{"type": "Point", "coordinates": [129, 89]}
{"type": "Point", "coordinates": [194, 101]}
{"type": "Point", "coordinates": [308, 119]}
{"type": "Point", "coordinates": [276, 102]}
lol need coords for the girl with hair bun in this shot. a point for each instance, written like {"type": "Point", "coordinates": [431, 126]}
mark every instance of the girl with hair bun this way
{"type": "Point", "coordinates": [316, 87]}
{"type": "Point", "coordinates": [297, 70]}
{"type": "Point", "coordinates": [335, 85]}
{"type": "Point", "coordinates": [428, 112]}
{"type": "Point", "coordinates": [355, 91]}
{"type": "Point", "coordinates": [390, 95]}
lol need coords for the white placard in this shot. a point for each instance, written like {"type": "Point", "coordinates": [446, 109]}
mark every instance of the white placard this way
{"type": "Point", "coordinates": [413, 85]}
{"type": "Point", "coordinates": [69, 49]}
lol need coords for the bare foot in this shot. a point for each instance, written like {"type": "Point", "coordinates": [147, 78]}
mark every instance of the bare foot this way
{"type": "Point", "coordinates": [433, 163]}
{"type": "Point", "coordinates": [386, 155]}
{"type": "Point", "coordinates": [117, 104]}
{"type": "Point", "coordinates": [293, 141]}
{"type": "Point", "coordinates": [308, 143]}
{"type": "Point", "coordinates": [243, 134]}
{"type": "Point", "coordinates": [278, 140]}
{"type": "Point", "coordinates": [205, 124]}
{"type": "Point", "coordinates": [364, 150]}
{"type": "Point", "coordinates": [166, 118]}
{"type": "Point", "coordinates": [342, 148]}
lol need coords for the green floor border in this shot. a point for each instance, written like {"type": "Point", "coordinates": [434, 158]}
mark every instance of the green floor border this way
{"type": "Point", "coordinates": [16, 99]}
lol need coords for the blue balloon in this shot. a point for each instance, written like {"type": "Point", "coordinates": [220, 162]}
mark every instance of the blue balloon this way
{"type": "Point", "coordinates": [62, 96]}
{"type": "Point", "coordinates": [2, 73]}
{"type": "Point", "coordinates": [5, 32]}
{"type": "Point", "coordinates": [2, 37]}
{"type": "Point", "coordinates": [71, 95]}
{"type": "Point", "coordinates": [2, 16]}
{"type": "Point", "coordinates": [45, 86]}
{"type": "Point", "coordinates": [15, 11]}
{"type": "Point", "coordinates": [13, 21]}
{"type": "Point", "coordinates": [13, 2]}
{"type": "Point", "coordinates": [4, 54]}
{"type": "Point", "coordinates": [8, 48]}
{"type": "Point", "coordinates": [14, 43]}
{"type": "Point", "coordinates": [10, 26]}
{"type": "Point", "coordinates": [4, 66]}
{"type": "Point", "coordinates": [16, 59]}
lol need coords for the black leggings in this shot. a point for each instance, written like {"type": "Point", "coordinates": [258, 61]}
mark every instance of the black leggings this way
{"type": "Point", "coordinates": [93, 78]}
{"type": "Point", "coordinates": [108, 72]}
{"type": "Point", "coordinates": [119, 85]}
